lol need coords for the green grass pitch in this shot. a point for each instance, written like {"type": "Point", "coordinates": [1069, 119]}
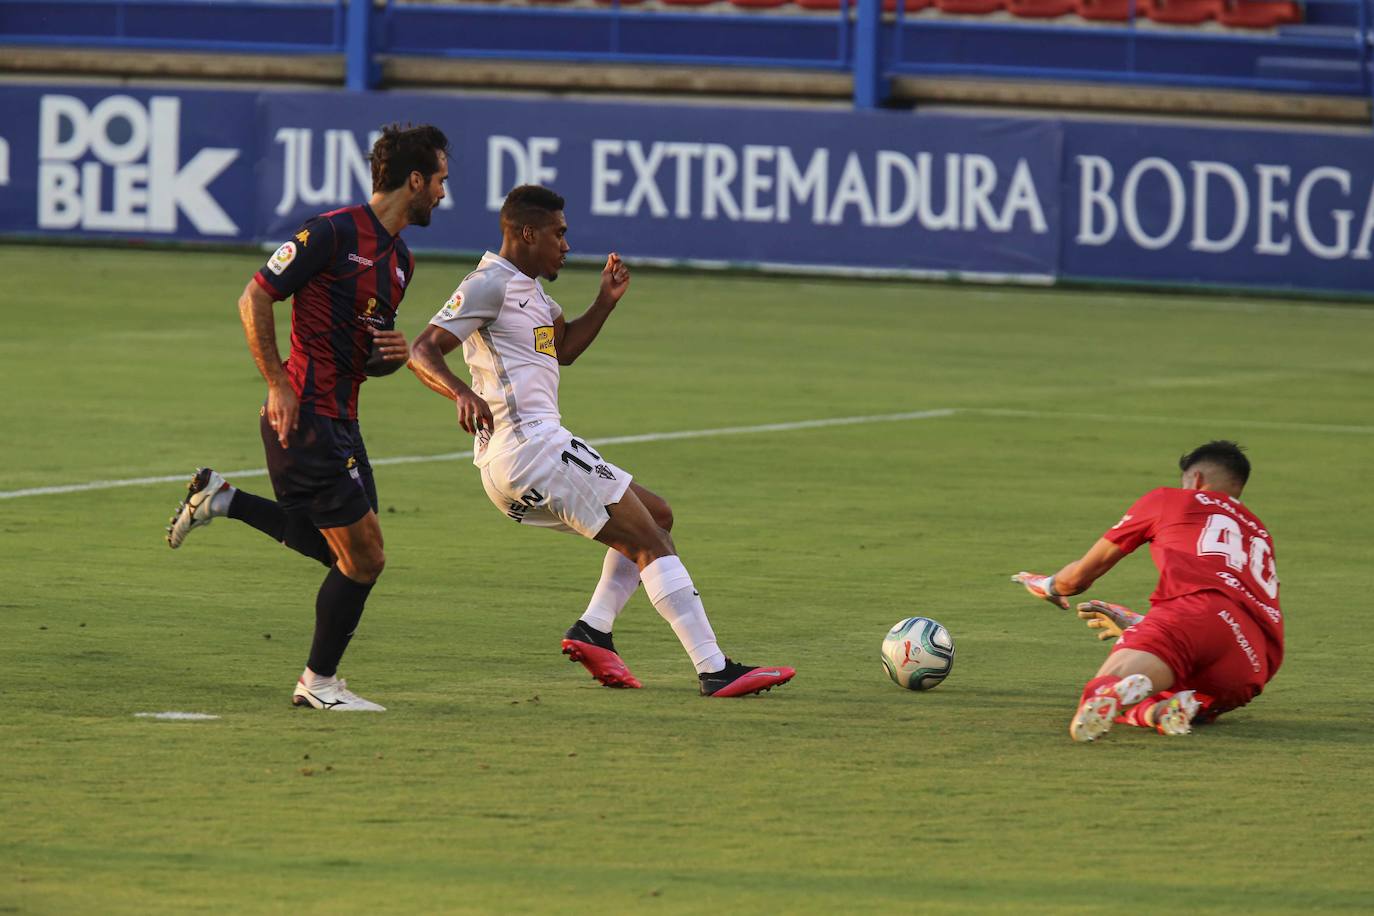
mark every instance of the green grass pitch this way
{"type": "Point", "coordinates": [504, 780]}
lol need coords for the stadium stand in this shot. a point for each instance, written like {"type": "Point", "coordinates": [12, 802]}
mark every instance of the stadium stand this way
{"type": "Point", "coordinates": [1318, 50]}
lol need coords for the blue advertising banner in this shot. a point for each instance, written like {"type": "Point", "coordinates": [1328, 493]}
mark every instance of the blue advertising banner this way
{"type": "Point", "coordinates": [780, 187]}
{"type": "Point", "coordinates": [1218, 206]}
{"type": "Point", "coordinates": [128, 162]}
{"type": "Point", "coordinates": [738, 185]}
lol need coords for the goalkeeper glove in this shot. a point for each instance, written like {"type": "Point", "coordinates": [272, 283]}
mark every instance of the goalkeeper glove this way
{"type": "Point", "coordinates": [1110, 619]}
{"type": "Point", "coordinates": [1041, 587]}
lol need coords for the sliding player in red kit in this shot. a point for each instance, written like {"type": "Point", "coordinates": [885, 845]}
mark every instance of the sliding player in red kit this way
{"type": "Point", "coordinates": [1214, 634]}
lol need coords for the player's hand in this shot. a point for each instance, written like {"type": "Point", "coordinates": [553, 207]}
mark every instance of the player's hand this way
{"type": "Point", "coordinates": [283, 411]}
{"type": "Point", "coordinates": [615, 279]}
{"type": "Point", "coordinates": [1108, 619]}
{"type": "Point", "coordinates": [391, 346]}
{"type": "Point", "coordinates": [1039, 586]}
{"type": "Point", "coordinates": [473, 412]}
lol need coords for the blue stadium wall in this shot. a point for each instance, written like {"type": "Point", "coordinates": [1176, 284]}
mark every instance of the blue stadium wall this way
{"type": "Point", "coordinates": [1032, 199]}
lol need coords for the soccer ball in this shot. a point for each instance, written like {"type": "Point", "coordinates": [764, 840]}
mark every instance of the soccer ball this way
{"type": "Point", "coordinates": [918, 653]}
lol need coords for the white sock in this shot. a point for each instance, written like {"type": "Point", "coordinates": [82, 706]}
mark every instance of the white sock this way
{"type": "Point", "coordinates": [670, 589]}
{"type": "Point", "coordinates": [313, 680]}
{"type": "Point", "coordinates": [220, 500]}
{"type": "Point", "coordinates": [619, 579]}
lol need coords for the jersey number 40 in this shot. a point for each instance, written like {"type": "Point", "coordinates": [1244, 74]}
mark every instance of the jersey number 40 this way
{"type": "Point", "coordinates": [1223, 538]}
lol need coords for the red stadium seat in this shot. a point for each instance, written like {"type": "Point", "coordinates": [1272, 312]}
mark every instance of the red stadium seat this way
{"type": "Point", "coordinates": [1180, 12]}
{"type": "Point", "coordinates": [1041, 9]}
{"type": "Point", "coordinates": [970, 7]}
{"type": "Point", "coordinates": [889, 6]}
{"type": "Point", "coordinates": [1259, 14]}
{"type": "Point", "coordinates": [688, 2]}
{"type": "Point", "coordinates": [1106, 10]}
{"type": "Point", "coordinates": [756, 4]}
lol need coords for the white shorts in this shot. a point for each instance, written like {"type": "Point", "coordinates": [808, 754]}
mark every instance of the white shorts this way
{"type": "Point", "coordinates": [555, 481]}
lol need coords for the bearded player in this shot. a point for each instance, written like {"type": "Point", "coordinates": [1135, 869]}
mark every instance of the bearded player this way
{"type": "Point", "coordinates": [1214, 634]}
{"type": "Point", "coordinates": [346, 272]}
{"type": "Point", "coordinates": [514, 339]}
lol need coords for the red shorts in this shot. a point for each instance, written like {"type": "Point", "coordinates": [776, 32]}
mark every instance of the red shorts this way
{"type": "Point", "coordinates": [1212, 646]}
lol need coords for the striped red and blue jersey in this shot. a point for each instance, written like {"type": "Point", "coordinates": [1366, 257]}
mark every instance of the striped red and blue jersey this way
{"type": "Point", "coordinates": [346, 272]}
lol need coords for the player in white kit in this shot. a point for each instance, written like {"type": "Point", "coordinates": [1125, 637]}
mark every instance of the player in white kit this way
{"type": "Point", "coordinates": [514, 339]}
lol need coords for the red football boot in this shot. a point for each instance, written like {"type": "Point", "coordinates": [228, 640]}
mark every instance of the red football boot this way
{"type": "Point", "coordinates": [736, 680]}
{"type": "Point", "coordinates": [595, 650]}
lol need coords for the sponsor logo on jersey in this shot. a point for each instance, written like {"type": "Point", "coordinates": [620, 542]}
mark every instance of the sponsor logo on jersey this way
{"type": "Point", "coordinates": [303, 237]}
{"type": "Point", "coordinates": [282, 258]}
{"type": "Point", "coordinates": [359, 259]}
{"type": "Point", "coordinates": [544, 341]}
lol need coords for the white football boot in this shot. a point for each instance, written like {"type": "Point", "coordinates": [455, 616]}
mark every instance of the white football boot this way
{"type": "Point", "coordinates": [332, 694]}
{"type": "Point", "coordinates": [1095, 715]}
{"type": "Point", "coordinates": [197, 509]}
{"type": "Point", "coordinates": [1175, 715]}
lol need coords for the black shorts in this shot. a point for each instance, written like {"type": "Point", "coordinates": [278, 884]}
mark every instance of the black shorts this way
{"type": "Point", "coordinates": [325, 473]}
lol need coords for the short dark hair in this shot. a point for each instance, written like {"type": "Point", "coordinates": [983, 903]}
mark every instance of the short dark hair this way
{"type": "Point", "coordinates": [1221, 453]}
{"type": "Point", "coordinates": [530, 205]}
{"type": "Point", "coordinates": [402, 150]}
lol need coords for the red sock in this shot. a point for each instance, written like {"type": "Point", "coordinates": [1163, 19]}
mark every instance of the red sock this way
{"type": "Point", "coordinates": [1139, 714]}
{"type": "Point", "coordinates": [1090, 689]}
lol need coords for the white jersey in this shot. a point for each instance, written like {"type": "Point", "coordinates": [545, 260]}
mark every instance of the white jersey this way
{"type": "Point", "coordinates": [505, 322]}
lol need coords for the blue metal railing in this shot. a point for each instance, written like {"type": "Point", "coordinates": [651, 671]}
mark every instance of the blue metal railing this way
{"type": "Point", "coordinates": [1329, 55]}
{"type": "Point", "coordinates": [288, 26]}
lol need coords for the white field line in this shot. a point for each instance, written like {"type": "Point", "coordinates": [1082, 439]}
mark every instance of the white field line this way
{"type": "Point", "coordinates": [1172, 421]}
{"type": "Point", "coordinates": [467, 454]}
{"type": "Point", "coordinates": [746, 430]}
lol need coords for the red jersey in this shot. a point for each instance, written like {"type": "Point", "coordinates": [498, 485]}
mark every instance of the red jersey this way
{"type": "Point", "coordinates": [346, 272]}
{"type": "Point", "coordinates": [1202, 540]}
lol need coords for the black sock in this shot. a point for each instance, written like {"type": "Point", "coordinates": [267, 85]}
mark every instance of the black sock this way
{"type": "Point", "coordinates": [338, 608]}
{"type": "Point", "coordinates": [292, 529]}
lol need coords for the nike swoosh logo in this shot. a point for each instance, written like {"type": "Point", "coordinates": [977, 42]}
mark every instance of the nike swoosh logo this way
{"type": "Point", "coordinates": [696, 593]}
{"type": "Point", "coordinates": [774, 673]}
{"type": "Point", "coordinates": [328, 704]}
{"type": "Point", "coordinates": [525, 303]}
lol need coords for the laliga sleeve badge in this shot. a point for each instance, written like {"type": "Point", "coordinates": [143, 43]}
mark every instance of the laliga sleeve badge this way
{"type": "Point", "coordinates": [454, 303]}
{"type": "Point", "coordinates": [282, 258]}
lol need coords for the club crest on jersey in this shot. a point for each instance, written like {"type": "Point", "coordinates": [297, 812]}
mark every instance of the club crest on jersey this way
{"type": "Point", "coordinates": [282, 258]}
{"type": "Point", "coordinates": [544, 341]}
{"type": "Point", "coordinates": [454, 303]}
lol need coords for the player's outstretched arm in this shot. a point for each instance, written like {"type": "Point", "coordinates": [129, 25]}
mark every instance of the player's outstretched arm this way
{"type": "Point", "coordinates": [1041, 586]}
{"type": "Point", "coordinates": [574, 337]}
{"type": "Point", "coordinates": [1075, 578]}
{"type": "Point", "coordinates": [428, 363]}
{"type": "Point", "coordinates": [259, 327]}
